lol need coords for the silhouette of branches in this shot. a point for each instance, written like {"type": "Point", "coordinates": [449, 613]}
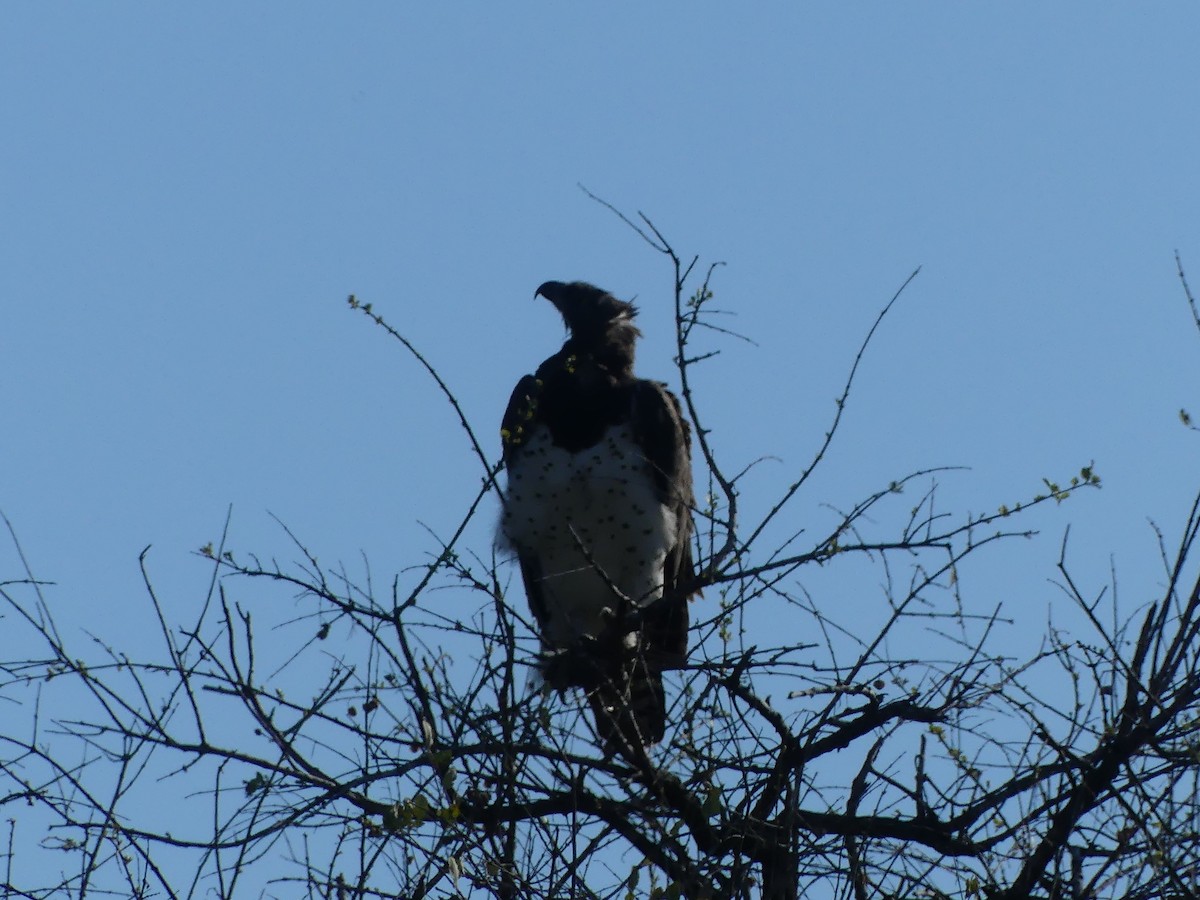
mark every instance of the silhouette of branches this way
{"type": "Point", "coordinates": [306, 733]}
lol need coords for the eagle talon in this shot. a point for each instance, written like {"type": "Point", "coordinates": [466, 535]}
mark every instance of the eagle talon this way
{"type": "Point", "coordinates": [571, 667]}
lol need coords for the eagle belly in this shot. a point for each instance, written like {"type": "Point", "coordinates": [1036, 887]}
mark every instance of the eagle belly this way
{"type": "Point", "coordinates": [593, 521]}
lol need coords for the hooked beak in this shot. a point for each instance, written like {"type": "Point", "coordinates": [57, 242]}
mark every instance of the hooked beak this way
{"type": "Point", "coordinates": [552, 291]}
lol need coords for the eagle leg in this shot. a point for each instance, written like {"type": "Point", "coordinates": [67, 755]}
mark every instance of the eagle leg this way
{"type": "Point", "coordinates": [585, 664]}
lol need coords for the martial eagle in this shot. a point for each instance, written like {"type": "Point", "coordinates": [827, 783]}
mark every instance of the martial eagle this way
{"type": "Point", "coordinates": [598, 511]}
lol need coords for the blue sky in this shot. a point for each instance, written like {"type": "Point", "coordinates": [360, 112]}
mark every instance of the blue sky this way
{"type": "Point", "coordinates": [189, 194]}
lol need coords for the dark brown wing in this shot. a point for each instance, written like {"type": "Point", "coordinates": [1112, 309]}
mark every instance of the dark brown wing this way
{"type": "Point", "coordinates": [664, 436]}
{"type": "Point", "coordinates": [518, 419]}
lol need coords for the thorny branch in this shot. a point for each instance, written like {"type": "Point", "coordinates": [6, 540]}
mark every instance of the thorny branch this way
{"type": "Point", "coordinates": [392, 746]}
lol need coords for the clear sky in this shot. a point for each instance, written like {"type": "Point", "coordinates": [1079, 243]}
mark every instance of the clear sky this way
{"type": "Point", "coordinates": [188, 194]}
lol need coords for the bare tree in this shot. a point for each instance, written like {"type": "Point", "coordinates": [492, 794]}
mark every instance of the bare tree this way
{"type": "Point", "coordinates": [378, 746]}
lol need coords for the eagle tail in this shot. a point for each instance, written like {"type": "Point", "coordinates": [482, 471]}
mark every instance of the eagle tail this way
{"type": "Point", "coordinates": [630, 708]}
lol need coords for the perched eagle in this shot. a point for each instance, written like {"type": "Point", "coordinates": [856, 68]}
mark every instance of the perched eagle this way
{"type": "Point", "coordinates": [598, 511]}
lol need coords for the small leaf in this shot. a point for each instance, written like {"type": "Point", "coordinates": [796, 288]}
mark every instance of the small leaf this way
{"type": "Point", "coordinates": [712, 801]}
{"type": "Point", "coordinates": [393, 817]}
{"type": "Point", "coordinates": [419, 808]}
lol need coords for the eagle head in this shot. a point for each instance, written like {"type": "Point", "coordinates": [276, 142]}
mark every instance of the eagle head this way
{"type": "Point", "coordinates": [592, 315]}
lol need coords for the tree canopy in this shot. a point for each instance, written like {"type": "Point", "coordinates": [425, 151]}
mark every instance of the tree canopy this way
{"type": "Point", "coordinates": [311, 731]}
